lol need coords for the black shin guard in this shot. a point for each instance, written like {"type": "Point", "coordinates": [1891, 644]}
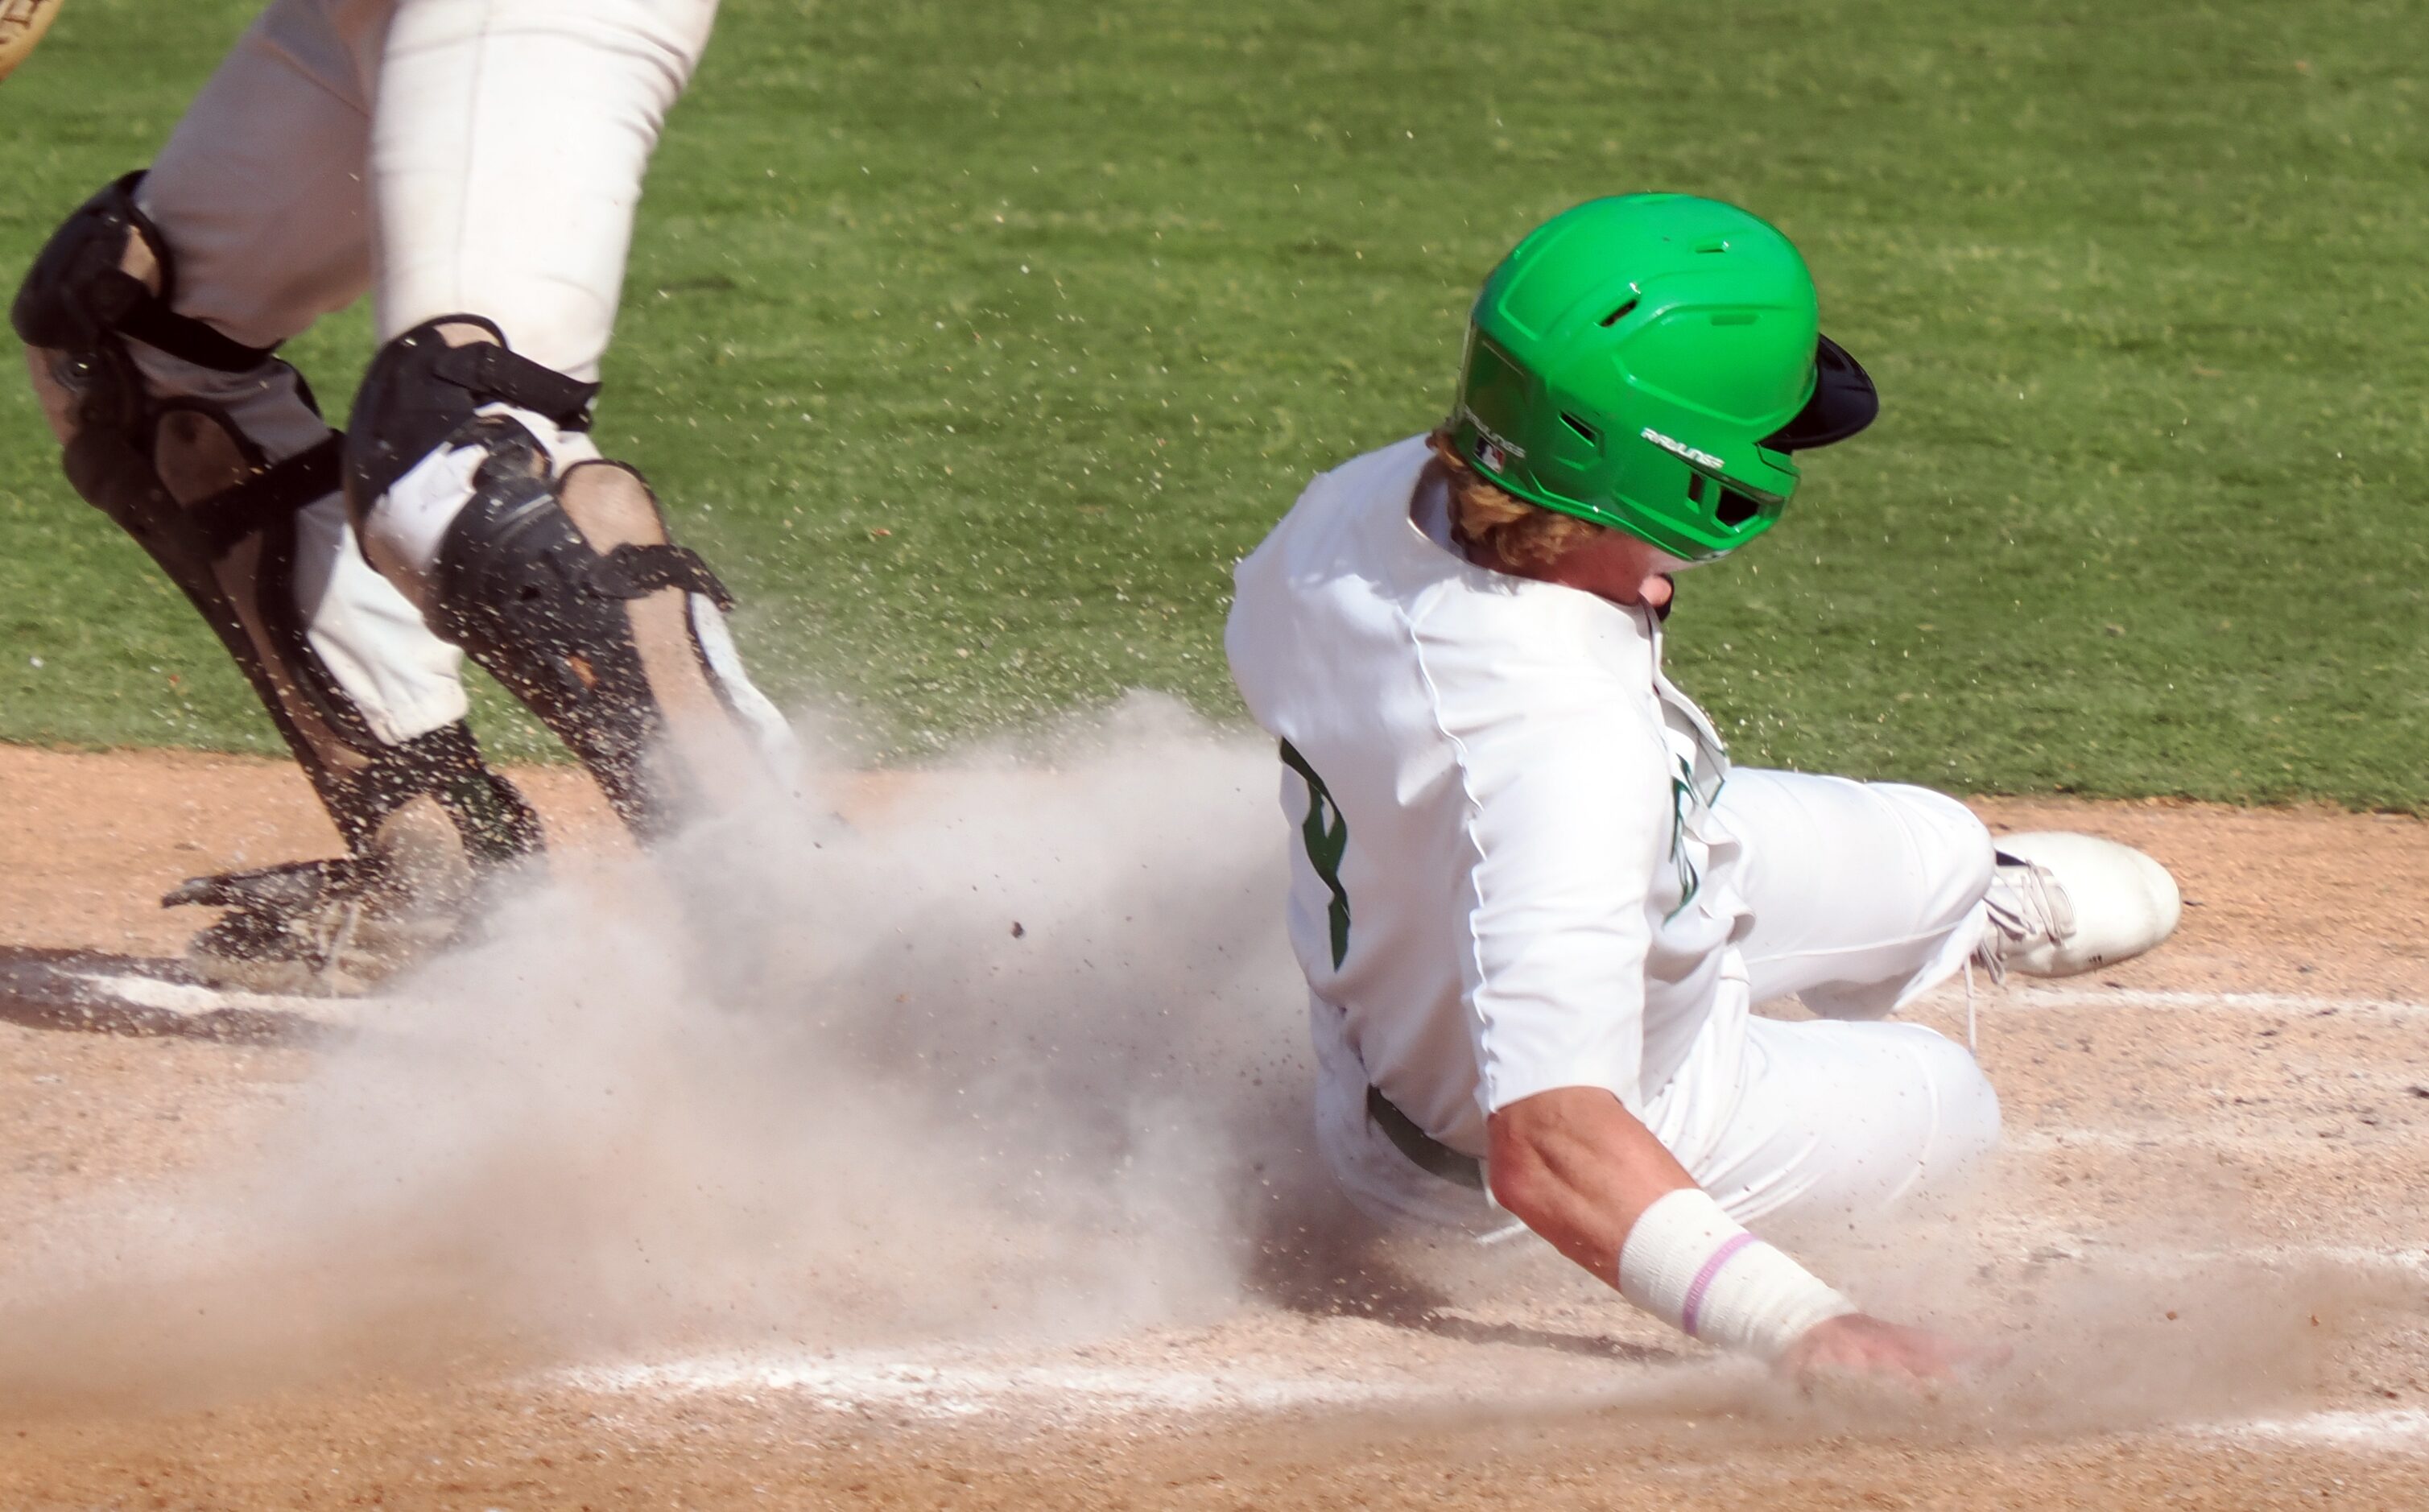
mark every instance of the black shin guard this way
{"type": "Point", "coordinates": [566, 588]}
{"type": "Point", "coordinates": [523, 590]}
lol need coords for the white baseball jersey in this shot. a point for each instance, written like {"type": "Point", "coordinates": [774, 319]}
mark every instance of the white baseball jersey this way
{"type": "Point", "coordinates": [1510, 875]}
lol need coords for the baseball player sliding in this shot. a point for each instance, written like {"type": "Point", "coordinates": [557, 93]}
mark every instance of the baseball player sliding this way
{"type": "Point", "coordinates": [475, 164]}
{"type": "Point", "coordinates": [1534, 902]}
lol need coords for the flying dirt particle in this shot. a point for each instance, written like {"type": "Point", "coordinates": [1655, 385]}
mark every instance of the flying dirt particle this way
{"type": "Point", "coordinates": [1016, 931]}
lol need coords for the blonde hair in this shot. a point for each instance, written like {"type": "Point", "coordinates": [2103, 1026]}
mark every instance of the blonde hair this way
{"type": "Point", "coordinates": [1483, 514]}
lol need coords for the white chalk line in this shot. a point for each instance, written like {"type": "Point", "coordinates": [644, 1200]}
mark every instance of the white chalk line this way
{"type": "Point", "coordinates": [2030, 999]}
{"type": "Point", "coordinates": [940, 1387]}
{"type": "Point", "coordinates": [194, 999]}
{"type": "Point", "coordinates": [936, 1390]}
{"type": "Point", "coordinates": [2400, 1430]}
{"type": "Point", "coordinates": [2058, 1140]}
{"type": "Point", "coordinates": [2411, 1264]}
{"type": "Point", "coordinates": [191, 998]}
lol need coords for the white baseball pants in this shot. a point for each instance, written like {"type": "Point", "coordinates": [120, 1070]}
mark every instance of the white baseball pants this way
{"type": "Point", "coordinates": [447, 156]}
{"type": "Point", "coordinates": [1864, 896]}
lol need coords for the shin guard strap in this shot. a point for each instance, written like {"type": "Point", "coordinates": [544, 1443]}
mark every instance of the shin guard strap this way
{"type": "Point", "coordinates": [492, 374]}
{"type": "Point", "coordinates": [632, 571]}
{"type": "Point", "coordinates": [229, 516]}
{"type": "Point", "coordinates": [151, 321]}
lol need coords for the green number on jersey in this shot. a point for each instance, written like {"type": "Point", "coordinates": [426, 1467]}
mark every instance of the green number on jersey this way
{"type": "Point", "coordinates": [1682, 797]}
{"type": "Point", "coordinates": [1327, 834]}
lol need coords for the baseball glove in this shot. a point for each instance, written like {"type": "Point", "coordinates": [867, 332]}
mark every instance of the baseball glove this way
{"type": "Point", "coordinates": [22, 24]}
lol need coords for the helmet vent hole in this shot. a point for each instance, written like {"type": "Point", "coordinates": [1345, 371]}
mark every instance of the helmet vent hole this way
{"type": "Point", "coordinates": [1592, 436]}
{"type": "Point", "coordinates": [1620, 314]}
{"type": "Point", "coordinates": [1735, 509]}
{"type": "Point", "coordinates": [1696, 489]}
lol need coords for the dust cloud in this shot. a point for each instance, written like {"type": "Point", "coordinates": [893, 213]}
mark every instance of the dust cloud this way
{"type": "Point", "coordinates": [1012, 1048]}
{"type": "Point", "coordinates": [1016, 1047]}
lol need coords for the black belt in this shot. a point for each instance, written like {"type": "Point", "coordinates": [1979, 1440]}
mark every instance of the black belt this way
{"type": "Point", "coordinates": [1429, 1154]}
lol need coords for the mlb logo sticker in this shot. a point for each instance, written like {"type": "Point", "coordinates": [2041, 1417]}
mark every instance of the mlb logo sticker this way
{"type": "Point", "coordinates": [1489, 452]}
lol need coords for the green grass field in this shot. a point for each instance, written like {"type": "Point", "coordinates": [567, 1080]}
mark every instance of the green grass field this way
{"type": "Point", "coordinates": [974, 341]}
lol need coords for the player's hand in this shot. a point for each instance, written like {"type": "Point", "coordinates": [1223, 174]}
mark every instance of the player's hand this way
{"type": "Point", "coordinates": [1857, 1344]}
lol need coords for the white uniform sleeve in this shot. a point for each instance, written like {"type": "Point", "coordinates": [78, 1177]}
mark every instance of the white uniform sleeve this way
{"type": "Point", "coordinates": [1567, 788]}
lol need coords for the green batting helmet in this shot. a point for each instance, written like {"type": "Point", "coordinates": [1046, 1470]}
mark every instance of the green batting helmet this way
{"type": "Point", "coordinates": [1648, 362]}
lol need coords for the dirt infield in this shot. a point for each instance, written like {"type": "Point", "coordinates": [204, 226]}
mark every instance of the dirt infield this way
{"type": "Point", "coordinates": [2204, 1239]}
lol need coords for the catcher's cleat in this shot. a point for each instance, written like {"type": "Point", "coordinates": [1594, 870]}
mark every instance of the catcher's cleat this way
{"type": "Point", "coordinates": [2062, 903]}
{"type": "Point", "coordinates": [340, 926]}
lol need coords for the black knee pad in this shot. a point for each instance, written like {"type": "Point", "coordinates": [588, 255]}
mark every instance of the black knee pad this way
{"type": "Point", "coordinates": [429, 384]}
{"type": "Point", "coordinates": [106, 278]}
{"type": "Point", "coordinates": [107, 272]}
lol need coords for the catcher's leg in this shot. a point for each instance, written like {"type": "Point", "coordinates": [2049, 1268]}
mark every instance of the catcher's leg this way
{"type": "Point", "coordinates": [477, 491]}
{"type": "Point", "coordinates": [507, 157]}
{"type": "Point", "coordinates": [213, 455]}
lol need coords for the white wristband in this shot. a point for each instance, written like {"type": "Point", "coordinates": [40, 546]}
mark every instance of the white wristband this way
{"type": "Point", "coordinates": [1688, 1265]}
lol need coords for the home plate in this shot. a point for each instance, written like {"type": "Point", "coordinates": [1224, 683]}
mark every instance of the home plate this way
{"type": "Point", "coordinates": [96, 993]}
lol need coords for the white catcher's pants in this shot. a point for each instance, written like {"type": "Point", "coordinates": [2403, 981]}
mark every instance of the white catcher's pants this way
{"type": "Point", "coordinates": [447, 156]}
{"type": "Point", "coordinates": [1864, 895]}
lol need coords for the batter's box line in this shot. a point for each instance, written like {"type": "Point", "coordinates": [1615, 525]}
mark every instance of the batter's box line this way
{"type": "Point", "coordinates": [2059, 1138]}
{"type": "Point", "coordinates": [859, 1382]}
{"type": "Point", "coordinates": [853, 1380]}
{"type": "Point", "coordinates": [2387, 1430]}
{"type": "Point", "coordinates": [2358, 1259]}
{"type": "Point", "coordinates": [2042, 998]}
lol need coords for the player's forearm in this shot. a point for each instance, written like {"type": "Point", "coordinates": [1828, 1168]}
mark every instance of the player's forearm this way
{"type": "Point", "coordinates": [1584, 1173]}
{"type": "Point", "coordinates": [1574, 1165]}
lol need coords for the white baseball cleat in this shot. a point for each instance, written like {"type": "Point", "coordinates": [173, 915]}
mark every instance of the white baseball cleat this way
{"type": "Point", "coordinates": [2061, 903]}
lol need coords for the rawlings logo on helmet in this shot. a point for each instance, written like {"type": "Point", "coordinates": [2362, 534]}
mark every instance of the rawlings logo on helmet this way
{"type": "Point", "coordinates": [1682, 449]}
